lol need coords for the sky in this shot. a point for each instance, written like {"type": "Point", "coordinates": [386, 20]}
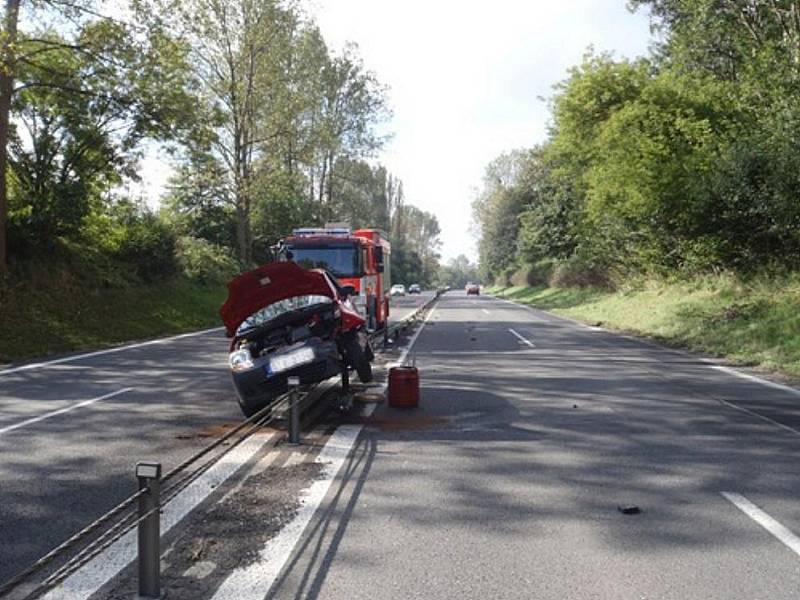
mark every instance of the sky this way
{"type": "Point", "coordinates": [466, 82]}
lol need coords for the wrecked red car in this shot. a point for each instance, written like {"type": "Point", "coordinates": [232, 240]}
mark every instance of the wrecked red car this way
{"type": "Point", "coordinates": [287, 321]}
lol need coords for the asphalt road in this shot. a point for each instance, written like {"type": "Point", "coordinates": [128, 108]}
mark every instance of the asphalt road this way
{"type": "Point", "coordinates": [533, 430]}
{"type": "Point", "coordinates": [72, 429]}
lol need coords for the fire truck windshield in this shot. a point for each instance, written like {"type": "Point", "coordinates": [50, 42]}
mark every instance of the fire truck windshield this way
{"type": "Point", "coordinates": [342, 260]}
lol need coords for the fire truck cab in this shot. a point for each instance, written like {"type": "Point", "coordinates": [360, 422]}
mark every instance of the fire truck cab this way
{"type": "Point", "coordinates": [359, 258]}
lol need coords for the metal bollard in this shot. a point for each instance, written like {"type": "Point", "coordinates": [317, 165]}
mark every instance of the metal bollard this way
{"type": "Point", "coordinates": [149, 476]}
{"type": "Point", "coordinates": [294, 411]}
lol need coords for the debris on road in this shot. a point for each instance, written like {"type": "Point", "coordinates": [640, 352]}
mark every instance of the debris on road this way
{"type": "Point", "coordinates": [629, 509]}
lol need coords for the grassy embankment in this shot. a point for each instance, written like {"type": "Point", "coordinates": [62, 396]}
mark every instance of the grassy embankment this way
{"type": "Point", "coordinates": [60, 310]}
{"type": "Point", "coordinates": [754, 323]}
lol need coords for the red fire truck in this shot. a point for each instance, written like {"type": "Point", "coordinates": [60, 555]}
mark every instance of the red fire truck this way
{"type": "Point", "coordinates": [359, 258]}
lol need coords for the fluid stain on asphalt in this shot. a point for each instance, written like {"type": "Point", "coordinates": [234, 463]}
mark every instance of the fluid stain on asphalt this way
{"type": "Point", "coordinates": [401, 422]}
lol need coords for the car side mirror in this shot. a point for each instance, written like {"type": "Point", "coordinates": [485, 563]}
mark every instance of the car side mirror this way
{"type": "Point", "coordinates": [379, 259]}
{"type": "Point", "coordinates": [347, 290]}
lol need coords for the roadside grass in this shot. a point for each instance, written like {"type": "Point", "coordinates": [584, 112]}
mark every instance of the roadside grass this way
{"type": "Point", "coordinates": [52, 315]}
{"type": "Point", "coordinates": [752, 322]}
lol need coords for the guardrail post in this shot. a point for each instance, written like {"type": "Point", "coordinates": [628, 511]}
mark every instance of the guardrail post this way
{"type": "Point", "coordinates": [294, 411]}
{"type": "Point", "coordinates": [149, 476]}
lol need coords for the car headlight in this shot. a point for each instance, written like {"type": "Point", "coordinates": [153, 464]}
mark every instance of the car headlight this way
{"type": "Point", "coordinates": [291, 360]}
{"type": "Point", "coordinates": [240, 360]}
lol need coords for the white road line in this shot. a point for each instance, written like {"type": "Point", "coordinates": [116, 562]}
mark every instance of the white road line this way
{"type": "Point", "coordinates": [522, 339]}
{"type": "Point", "coordinates": [772, 384]}
{"type": "Point", "coordinates": [401, 361]}
{"type": "Point", "coordinates": [92, 576]}
{"type": "Point", "coordinates": [486, 311]}
{"type": "Point", "coordinates": [66, 359]}
{"type": "Point", "coordinates": [255, 581]}
{"type": "Point", "coordinates": [61, 411]}
{"type": "Point", "coordinates": [759, 416]}
{"type": "Point", "coordinates": [783, 534]}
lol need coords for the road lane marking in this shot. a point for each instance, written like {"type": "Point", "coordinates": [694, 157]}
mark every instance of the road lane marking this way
{"type": "Point", "coordinates": [783, 534]}
{"type": "Point", "coordinates": [772, 384]}
{"type": "Point", "coordinates": [486, 311]}
{"type": "Point", "coordinates": [61, 411]}
{"type": "Point", "coordinates": [255, 580]}
{"type": "Point", "coordinates": [66, 359]}
{"type": "Point", "coordinates": [401, 361]}
{"type": "Point", "coordinates": [522, 339]}
{"type": "Point", "coordinates": [759, 416]}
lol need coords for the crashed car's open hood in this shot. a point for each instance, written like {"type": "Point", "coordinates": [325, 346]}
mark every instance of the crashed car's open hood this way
{"type": "Point", "coordinates": [270, 283]}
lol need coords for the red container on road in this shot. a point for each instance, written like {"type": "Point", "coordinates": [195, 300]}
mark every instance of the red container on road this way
{"type": "Point", "coordinates": [403, 387]}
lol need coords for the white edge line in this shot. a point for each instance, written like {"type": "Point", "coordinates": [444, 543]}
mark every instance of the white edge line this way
{"type": "Point", "coordinates": [61, 411]}
{"type": "Point", "coordinates": [781, 533]}
{"type": "Point", "coordinates": [772, 384]}
{"type": "Point", "coordinates": [102, 568]}
{"type": "Point", "coordinates": [522, 339]}
{"type": "Point", "coordinates": [753, 413]}
{"type": "Point", "coordinates": [401, 361]}
{"type": "Point", "coordinates": [255, 580]}
{"type": "Point", "coordinates": [66, 359]}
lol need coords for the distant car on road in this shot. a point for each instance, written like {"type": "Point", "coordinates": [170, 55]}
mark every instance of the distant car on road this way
{"type": "Point", "coordinates": [414, 289]}
{"type": "Point", "coordinates": [398, 289]}
{"type": "Point", "coordinates": [472, 288]}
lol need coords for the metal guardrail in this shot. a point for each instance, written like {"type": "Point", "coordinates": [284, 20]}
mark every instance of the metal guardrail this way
{"type": "Point", "coordinates": [155, 492]}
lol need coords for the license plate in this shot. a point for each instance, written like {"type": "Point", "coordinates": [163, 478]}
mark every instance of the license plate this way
{"type": "Point", "coordinates": [291, 360]}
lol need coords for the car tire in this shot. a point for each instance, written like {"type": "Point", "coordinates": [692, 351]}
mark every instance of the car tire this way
{"type": "Point", "coordinates": [364, 370]}
{"type": "Point", "coordinates": [359, 359]}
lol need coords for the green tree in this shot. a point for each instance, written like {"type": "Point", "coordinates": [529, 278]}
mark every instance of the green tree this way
{"type": "Point", "coordinates": [99, 81]}
{"type": "Point", "coordinates": [83, 119]}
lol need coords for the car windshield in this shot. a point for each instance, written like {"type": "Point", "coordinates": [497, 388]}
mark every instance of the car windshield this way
{"type": "Point", "coordinates": [268, 313]}
{"type": "Point", "coordinates": [343, 260]}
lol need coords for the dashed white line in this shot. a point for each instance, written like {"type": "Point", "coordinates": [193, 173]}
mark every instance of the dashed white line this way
{"type": "Point", "coordinates": [61, 411]}
{"type": "Point", "coordinates": [486, 311]}
{"type": "Point", "coordinates": [66, 359]}
{"type": "Point", "coordinates": [781, 533]}
{"type": "Point", "coordinates": [523, 339]}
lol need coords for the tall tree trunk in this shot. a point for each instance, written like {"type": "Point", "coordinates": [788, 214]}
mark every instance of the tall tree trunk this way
{"type": "Point", "coordinates": [329, 191]}
{"type": "Point", "coordinates": [6, 90]}
{"type": "Point", "coordinates": [243, 234]}
{"type": "Point", "coordinates": [322, 181]}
